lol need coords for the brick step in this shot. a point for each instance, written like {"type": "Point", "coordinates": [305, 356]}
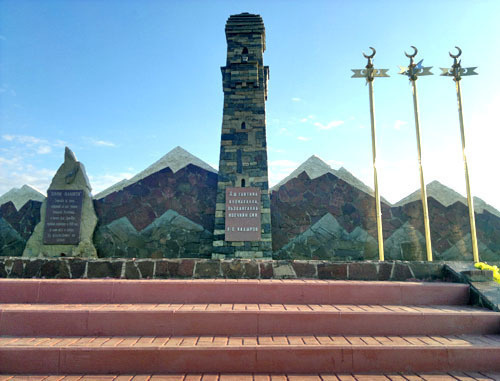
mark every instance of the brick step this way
{"type": "Point", "coordinates": [231, 291]}
{"type": "Point", "coordinates": [450, 376]}
{"type": "Point", "coordinates": [229, 354]}
{"type": "Point", "coordinates": [242, 319]}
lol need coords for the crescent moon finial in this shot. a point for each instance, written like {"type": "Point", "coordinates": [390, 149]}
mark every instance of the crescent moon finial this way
{"type": "Point", "coordinates": [415, 51]}
{"type": "Point", "coordinates": [371, 55]}
{"type": "Point", "coordinates": [456, 55]}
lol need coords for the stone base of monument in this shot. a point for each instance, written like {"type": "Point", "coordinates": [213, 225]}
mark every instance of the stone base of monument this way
{"type": "Point", "coordinates": [195, 268]}
{"type": "Point", "coordinates": [251, 328]}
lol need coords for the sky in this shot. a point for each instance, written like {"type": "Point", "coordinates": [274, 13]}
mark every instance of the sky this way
{"type": "Point", "coordinates": [124, 82]}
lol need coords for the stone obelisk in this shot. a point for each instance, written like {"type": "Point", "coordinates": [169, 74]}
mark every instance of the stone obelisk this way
{"type": "Point", "coordinates": [68, 218]}
{"type": "Point", "coordinates": [243, 217]}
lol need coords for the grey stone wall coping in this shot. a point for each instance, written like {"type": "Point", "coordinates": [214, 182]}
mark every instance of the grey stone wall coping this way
{"type": "Point", "coordinates": [483, 294]}
{"type": "Point", "coordinates": [194, 268]}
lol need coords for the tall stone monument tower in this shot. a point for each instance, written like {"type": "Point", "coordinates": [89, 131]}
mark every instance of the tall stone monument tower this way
{"type": "Point", "coordinates": [243, 216]}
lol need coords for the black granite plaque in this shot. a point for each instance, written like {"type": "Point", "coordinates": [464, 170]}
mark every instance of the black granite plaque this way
{"type": "Point", "coordinates": [63, 217]}
{"type": "Point", "coordinates": [242, 214]}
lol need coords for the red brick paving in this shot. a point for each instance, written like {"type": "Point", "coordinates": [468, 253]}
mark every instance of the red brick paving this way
{"type": "Point", "coordinates": [490, 341]}
{"type": "Point", "coordinates": [451, 376]}
{"type": "Point", "coordinates": [228, 326]}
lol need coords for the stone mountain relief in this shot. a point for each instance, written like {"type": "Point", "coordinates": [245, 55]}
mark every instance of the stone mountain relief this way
{"type": "Point", "coordinates": [318, 213]}
{"type": "Point", "coordinates": [11, 242]}
{"type": "Point", "coordinates": [169, 236]}
{"type": "Point", "coordinates": [327, 240]}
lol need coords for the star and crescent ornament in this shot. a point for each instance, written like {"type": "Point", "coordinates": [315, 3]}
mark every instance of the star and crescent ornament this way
{"type": "Point", "coordinates": [369, 72]}
{"type": "Point", "coordinates": [413, 71]}
{"type": "Point", "coordinates": [457, 71]}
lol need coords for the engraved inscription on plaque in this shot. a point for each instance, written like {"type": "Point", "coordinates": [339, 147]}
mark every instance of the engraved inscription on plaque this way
{"type": "Point", "coordinates": [63, 217]}
{"type": "Point", "coordinates": [242, 214]}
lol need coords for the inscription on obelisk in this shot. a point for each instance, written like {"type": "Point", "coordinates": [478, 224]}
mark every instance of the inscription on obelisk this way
{"type": "Point", "coordinates": [243, 214]}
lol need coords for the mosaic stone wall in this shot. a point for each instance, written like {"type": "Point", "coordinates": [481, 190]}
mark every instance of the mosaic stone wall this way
{"type": "Point", "coordinates": [165, 215]}
{"type": "Point", "coordinates": [16, 226]}
{"type": "Point", "coordinates": [326, 218]}
{"type": "Point", "coordinates": [171, 215]}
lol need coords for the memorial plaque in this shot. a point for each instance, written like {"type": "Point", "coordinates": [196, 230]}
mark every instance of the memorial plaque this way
{"type": "Point", "coordinates": [63, 217]}
{"type": "Point", "coordinates": [242, 214]}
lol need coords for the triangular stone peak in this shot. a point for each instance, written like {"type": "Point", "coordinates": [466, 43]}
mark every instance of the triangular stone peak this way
{"type": "Point", "coordinates": [316, 167]}
{"type": "Point", "coordinates": [20, 196]}
{"type": "Point", "coordinates": [176, 159]}
{"type": "Point", "coordinates": [447, 196]}
{"type": "Point", "coordinates": [67, 215]}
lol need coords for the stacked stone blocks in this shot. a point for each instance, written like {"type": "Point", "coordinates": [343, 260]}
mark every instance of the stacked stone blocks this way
{"type": "Point", "coordinates": [243, 153]}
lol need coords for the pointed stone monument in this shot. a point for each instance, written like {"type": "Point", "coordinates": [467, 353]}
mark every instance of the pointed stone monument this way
{"type": "Point", "coordinates": [68, 218]}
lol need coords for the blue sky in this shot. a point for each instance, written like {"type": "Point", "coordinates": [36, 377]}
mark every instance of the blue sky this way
{"type": "Point", "coordinates": [124, 82]}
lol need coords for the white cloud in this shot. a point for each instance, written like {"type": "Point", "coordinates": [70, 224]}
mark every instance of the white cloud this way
{"type": "Point", "coordinates": [283, 130]}
{"type": "Point", "coordinates": [308, 118]}
{"type": "Point", "coordinates": [102, 182]}
{"type": "Point", "coordinates": [23, 139]}
{"type": "Point", "coordinates": [103, 143]}
{"type": "Point", "coordinates": [399, 123]}
{"type": "Point", "coordinates": [11, 161]}
{"type": "Point", "coordinates": [296, 99]}
{"type": "Point", "coordinates": [13, 174]}
{"type": "Point", "coordinates": [283, 163]}
{"type": "Point", "coordinates": [330, 125]}
{"type": "Point", "coordinates": [44, 149]}
{"type": "Point", "coordinates": [29, 145]}
{"type": "Point", "coordinates": [20, 162]}
{"type": "Point", "coordinates": [335, 163]}
{"type": "Point", "coordinates": [303, 138]}
{"type": "Point", "coordinates": [279, 169]}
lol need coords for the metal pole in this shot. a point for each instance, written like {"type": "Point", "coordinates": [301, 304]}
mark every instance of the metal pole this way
{"type": "Point", "coordinates": [369, 73]}
{"type": "Point", "coordinates": [375, 178]}
{"type": "Point", "coordinates": [470, 201]}
{"type": "Point", "coordinates": [423, 192]}
{"type": "Point", "coordinates": [457, 72]}
{"type": "Point", "coordinates": [413, 71]}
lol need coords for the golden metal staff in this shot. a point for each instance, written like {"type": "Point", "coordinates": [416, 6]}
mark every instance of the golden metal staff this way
{"type": "Point", "coordinates": [369, 73]}
{"type": "Point", "coordinates": [457, 72]}
{"type": "Point", "coordinates": [413, 71]}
